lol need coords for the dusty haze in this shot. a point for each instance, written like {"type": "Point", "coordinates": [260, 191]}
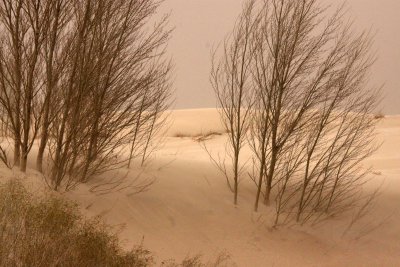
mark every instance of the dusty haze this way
{"type": "Point", "coordinates": [201, 24]}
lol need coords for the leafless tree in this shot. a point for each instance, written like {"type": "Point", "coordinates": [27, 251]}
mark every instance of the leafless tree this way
{"type": "Point", "coordinates": [24, 26]}
{"type": "Point", "coordinates": [54, 61]}
{"type": "Point", "coordinates": [79, 71]}
{"type": "Point", "coordinates": [230, 78]}
{"type": "Point", "coordinates": [156, 125]}
{"type": "Point", "coordinates": [151, 120]}
{"type": "Point", "coordinates": [312, 127]}
{"type": "Point", "coordinates": [115, 72]}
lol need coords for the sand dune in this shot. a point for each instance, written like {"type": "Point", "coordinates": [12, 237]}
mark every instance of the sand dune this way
{"type": "Point", "coordinates": [189, 209]}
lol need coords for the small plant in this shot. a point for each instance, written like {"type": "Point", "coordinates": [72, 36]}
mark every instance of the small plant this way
{"type": "Point", "coordinates": [204, 137]}
{"type": "Point", "coordinates": [223, 259]}
{"type": "Point", "coordinates": [200, 137]}
{"type": "Point", "coordinates": [181, 135]}
{"type": "Point", "coordinates": [50, 231]}
{"type": "Point", "coordinates": [379, 116]}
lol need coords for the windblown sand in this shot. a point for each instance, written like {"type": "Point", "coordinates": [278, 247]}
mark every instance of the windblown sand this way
{"type": "Point", "coordinates": [189, 209]}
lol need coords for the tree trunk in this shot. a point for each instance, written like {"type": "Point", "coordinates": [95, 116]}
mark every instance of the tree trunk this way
{"type": "Point", "coordinates": [42, 147]}
{"type": "Point", "coordinates": [24, 159]}
{"type": "Point", "coordinates": [17, 153]}
{"type": "Point", "coordinates": [268, 186]}
{"type": "Point", "coordinates": [260, 179]}
{"type": "Point", "coordinates": [236, 174]}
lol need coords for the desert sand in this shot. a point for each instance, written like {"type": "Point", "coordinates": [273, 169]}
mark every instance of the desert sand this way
{"type": "Point", "coordinates": [189, 209]}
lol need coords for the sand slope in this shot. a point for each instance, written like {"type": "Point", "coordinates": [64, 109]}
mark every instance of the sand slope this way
{"type": "Point", "coordinates": [189, 209]}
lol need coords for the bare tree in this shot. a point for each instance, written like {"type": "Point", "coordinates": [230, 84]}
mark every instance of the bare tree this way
{"type": "Point", "coordinates": [151, 118]}
{"type": "Point", "coordinates": [13, 31]}
{"type": "Point", "coordinates": [313, 115]}
{"type": "Point", "coordinates": [24, 24]}
{"type": "Point", "coordinates": [115, 68]}
{"type": "Point", "coordinates": [54, 62]}
{"type": "Point", "coordinates": [157, 121]}
{"type": "Point", "coordinates": [230, 78]}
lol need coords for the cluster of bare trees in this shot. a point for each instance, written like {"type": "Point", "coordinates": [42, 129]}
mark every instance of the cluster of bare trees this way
{"type": "Point", "coordinates": [292, 85]}
{"type": "Point", "coordinates": [88, 78]}
{"type": "Point", "coordinates": [230, 78]}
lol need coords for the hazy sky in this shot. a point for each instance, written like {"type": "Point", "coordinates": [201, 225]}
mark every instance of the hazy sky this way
{"type": "Point", "coordinates": [201, 24]}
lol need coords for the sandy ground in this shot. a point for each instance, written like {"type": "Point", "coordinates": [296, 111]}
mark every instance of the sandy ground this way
{"type": "Point", "coordinates": [189, 209]}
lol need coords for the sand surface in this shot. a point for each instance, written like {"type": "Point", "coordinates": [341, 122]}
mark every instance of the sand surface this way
{"type": "Point", "coordinates": [189, 209]}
